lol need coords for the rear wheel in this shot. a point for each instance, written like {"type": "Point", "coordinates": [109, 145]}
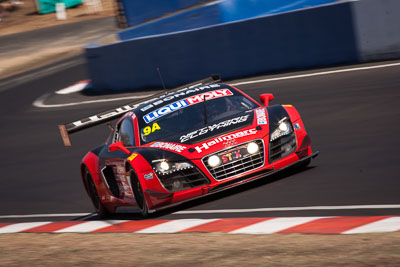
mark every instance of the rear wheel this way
{"type": "Point", "coordinates": [139, 195]}
{"type": "Point", "coordinates": [94, 196]}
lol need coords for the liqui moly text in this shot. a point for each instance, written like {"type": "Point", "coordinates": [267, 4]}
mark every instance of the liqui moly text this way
{"type": "Point", "coordinates": [158, 113]}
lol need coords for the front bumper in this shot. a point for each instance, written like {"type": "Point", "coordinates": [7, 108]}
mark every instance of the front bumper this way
{"type": "Point", "coordinates": [206, 191]}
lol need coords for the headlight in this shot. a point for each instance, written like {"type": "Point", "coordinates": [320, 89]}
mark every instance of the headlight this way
{"type": "Point", "coordinates": [165, 167]}
{"type": "Point", "coordinates": [283, 128]}
{"type": "Point", "coordinates": [214, 161]}
{"type": "Point", "coordinates": [252, 148]}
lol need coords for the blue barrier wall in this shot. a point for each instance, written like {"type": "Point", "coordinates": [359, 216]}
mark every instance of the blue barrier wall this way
{"type": "Point", "coordinates": [301, 39]}
{"type": "Point", "coordinates": [351, 31]}
{"type": "Point", "coordinates": [197, 18]}
{"type": "Point", "coordinates": [232, 10]}
{"type": "Point", "coordinates": [138, 11]}
{"type": "Point", "coordinates": [216, 13]}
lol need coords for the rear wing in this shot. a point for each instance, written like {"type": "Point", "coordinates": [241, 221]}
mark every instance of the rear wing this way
{"type": "Point", "coordinates": [109, 115]}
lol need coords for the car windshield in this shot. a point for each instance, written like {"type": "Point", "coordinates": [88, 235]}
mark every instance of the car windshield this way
{"type": "Point", "coordinates": [188, 125]}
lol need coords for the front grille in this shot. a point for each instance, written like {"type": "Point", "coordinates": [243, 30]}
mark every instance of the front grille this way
{"type": "Point", "coordinates": [282, 147]}
{"type": "Point", "coordinates": [183, 179]}
{"type": "Point", "coordinates": [245, 163]}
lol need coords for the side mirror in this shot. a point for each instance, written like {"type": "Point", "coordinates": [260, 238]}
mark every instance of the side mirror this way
{"type": "Point", "coordinates": [265, 98]}
{"type": "Point", "coordinates": [118, 146]}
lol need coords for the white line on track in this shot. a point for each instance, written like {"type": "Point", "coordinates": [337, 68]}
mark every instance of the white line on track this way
{"type": "Point", "coordinates": [274, 225]}
{"type": "Point", "coordinates": [175, 226]}
{"type": "Point", "coordinates": [89, 226]}
{"type": "Point", "coordinates": [44, 215]}
{"type": "Point", "coordinates": [40, 101]}
{"type": "Point", "coordinates": [385, 225]}
{"type": "Point", "coordinates": [79, 86]}
{"type": "Point", "coordinates": [353, 207]}
{"type": "Point", "coordinates": [20, 227]}
{"type": "Point", "coordinates": [316, 74]}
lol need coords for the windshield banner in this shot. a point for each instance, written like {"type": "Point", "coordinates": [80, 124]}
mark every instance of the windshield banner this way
{"type": "Point", "coordinates": [184, 103]}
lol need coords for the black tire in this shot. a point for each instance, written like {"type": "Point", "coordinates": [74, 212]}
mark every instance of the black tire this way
{"type": "Point", "coordinates": [101, 210]}
{"type": "Point", "coordinates": [139, 195]}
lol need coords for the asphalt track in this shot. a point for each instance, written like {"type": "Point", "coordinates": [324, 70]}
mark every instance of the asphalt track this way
{"type": "Point", "coordinates": [352, 118]}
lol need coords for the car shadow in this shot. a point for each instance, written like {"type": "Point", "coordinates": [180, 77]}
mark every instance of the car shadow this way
{"type": "Point", "coordinates": [213, 197]}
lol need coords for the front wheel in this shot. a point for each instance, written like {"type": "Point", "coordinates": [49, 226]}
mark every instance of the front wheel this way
{"type": "Point", "coordinates": [94, 196]}
{"type": "Point", "coordinates": [139, 195]}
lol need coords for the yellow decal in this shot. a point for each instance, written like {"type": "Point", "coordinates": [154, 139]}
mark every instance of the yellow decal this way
{"type": "Point", "coordinates": [289, 106]}
{"type": "Point", "coordinates": [148, 130]}
{"type": "Point", "coordinates": [155, 127]}
{"type": "Point", "coordinates": [131, 157]}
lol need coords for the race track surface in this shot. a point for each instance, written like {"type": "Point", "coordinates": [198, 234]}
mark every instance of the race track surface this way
{"type": "Point", "coordinates": [352, 118]}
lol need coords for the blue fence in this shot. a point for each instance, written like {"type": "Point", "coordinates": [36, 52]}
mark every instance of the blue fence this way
{"type": "Point", "coordinates": [321, 36]}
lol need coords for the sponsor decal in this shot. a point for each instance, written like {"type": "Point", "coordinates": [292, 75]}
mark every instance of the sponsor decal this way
{"type": "Point", "coordinates": [182, 92]}
{"type": "Point", "coordinates": [297, 126]}
{"type": "Point", "coordinates": [169, 146]}
{"type": "Point", "coordinates": [236, 154]}
{"type": "Point", "coordinates": [213, 127]}
{"type": "Point", "coordinates": [113, 163]}
{"type": "Point", "coordinates": [151, 129]}
{"type": "Point", "coordinates": [133, 156]}
{"type": "Point", "coordinates": [148, 176]}
{"type": "Point", "coordinates": [156, 101]}
{"type": "Point", "coordinates": [261, 117]}
{"type": "Point", "coordinates": [120, 170]}
{"type": "Point", "coordinates": [230, 143]}
{"type": "Point", "coordinates": [158, 113]}
{"type": "Point", "coordinates": [105, 115]}
{"type": "Point", "coordinates": [207, 145]}
{"type": "Point", "coordinates": [131, 114]}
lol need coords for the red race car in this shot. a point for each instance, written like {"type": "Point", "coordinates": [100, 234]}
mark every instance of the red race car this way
{"type": "Point", "coordinates": [188, 143]}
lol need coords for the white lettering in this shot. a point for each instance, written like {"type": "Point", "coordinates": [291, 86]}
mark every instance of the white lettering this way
{"type": "Point", "coordinates": [213, 127]}
{"type": "Point", "coordinates": [207, 145]}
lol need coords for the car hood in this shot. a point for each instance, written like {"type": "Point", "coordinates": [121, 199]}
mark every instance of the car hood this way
{"type": "Point", "coordinates": [216, 137]}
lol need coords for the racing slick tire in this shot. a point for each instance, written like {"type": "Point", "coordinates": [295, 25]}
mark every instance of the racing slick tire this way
{"type": "Point", "coordinates": [101, 210]}
{"type": "Point", "coordinates": [139, 195]}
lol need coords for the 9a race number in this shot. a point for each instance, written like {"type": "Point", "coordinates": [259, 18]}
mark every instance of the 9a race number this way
{"type": "Point", "coordinates": [151, 129]}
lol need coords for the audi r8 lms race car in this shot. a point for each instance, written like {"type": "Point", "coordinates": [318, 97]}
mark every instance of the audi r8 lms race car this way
{"type": "Point", "coordinates": [188, 143]}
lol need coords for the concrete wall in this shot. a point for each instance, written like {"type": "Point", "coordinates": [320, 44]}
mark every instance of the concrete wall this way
{"type": "Point", "coordinates": [353, 31]}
